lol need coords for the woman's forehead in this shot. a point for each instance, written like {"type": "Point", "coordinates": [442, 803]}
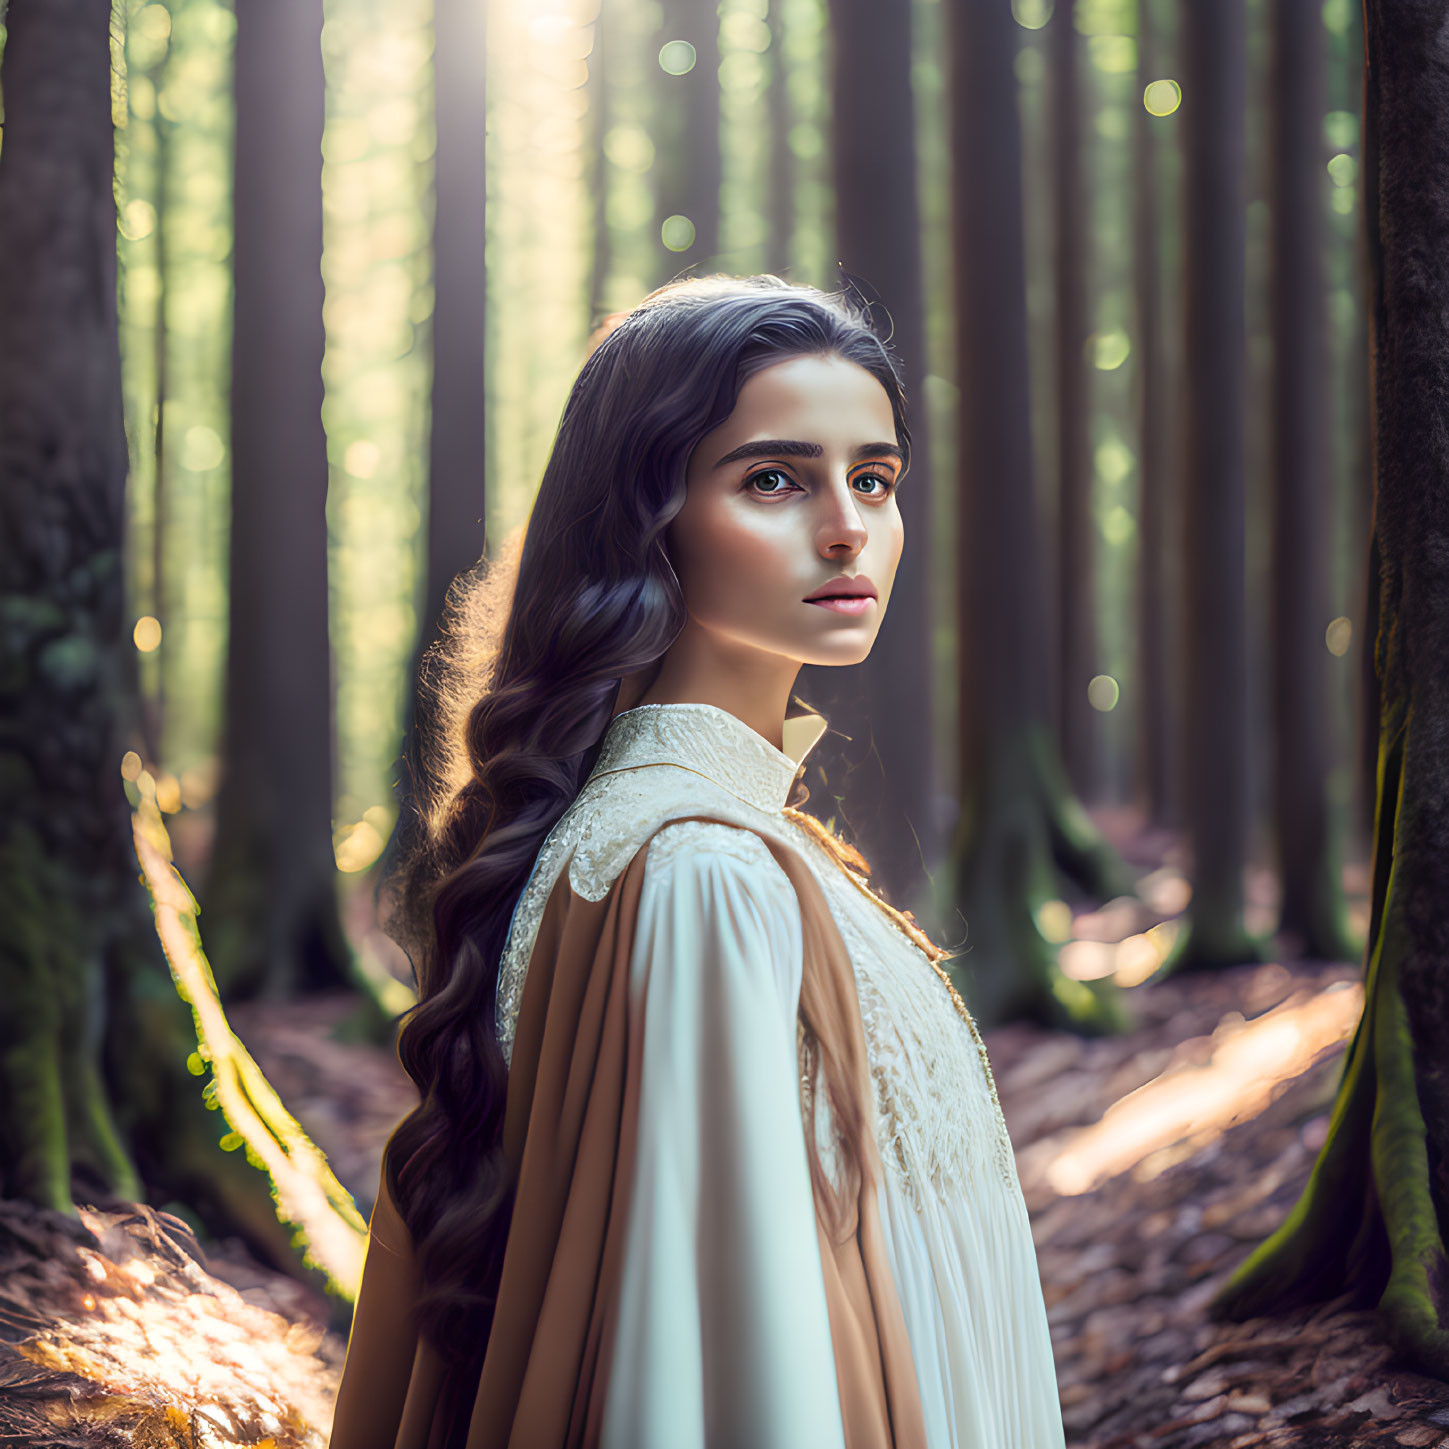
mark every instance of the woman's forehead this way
{"type": "Point", "coordinates": [826, 401]}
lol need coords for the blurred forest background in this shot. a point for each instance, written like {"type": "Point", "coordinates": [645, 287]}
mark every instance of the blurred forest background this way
{"type": "Point", "coordinates": [626, 145]}
{"type": "Point", "coordinates": [1122, 725]}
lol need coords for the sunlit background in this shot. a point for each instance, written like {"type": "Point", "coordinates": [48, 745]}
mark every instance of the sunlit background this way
{"type": "Point", "coordinates": [579, 121]}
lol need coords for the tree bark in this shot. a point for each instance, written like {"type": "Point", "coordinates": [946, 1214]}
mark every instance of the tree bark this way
{"type": "Point", "coordinates": [62, 490]}
{"type": "Point", "coordinates": [780, 186]}
{"type": "Point", "coordinates": [1077, 727]}
{"type": "Point", "coordinates": [1309, 864]}
{"type": "Point", "coordinates": [456, 487]}
{"type": "Point", "coordinates": [1366, 782]}
{"type": "Point", "coordinates": [1369, 1220]}
{"type": "Point", "coordinates": [1215, 745]}
{"type": "Point", "coordinates": [270, 895]}
{"type": "Point", "coordinates": [1157, 682]}
{"type": "Point", "coordinates": [1018, 814]}
{"type": "Point", "coordinates": [880, 754]}
{"type": "Point", "coordinates": [94, 1091]}
{"type": "Point", "coordinates": [455, 448]}
{"type": "Point", "coordinates": [687, 137]}
{"type": "Point", "coordinates": [154, 709]}
{"type": "Point", "coordinates": [602, 253]}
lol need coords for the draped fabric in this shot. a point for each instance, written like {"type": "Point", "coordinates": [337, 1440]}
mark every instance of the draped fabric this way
{"type": "Point", "coordinates": [653, 1119]}
{"type": "Point", "coordinates": [724, 1314]}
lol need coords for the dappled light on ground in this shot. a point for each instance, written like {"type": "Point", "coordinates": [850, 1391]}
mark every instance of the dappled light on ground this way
{"type": "Point", "coordinates": [1130, 1266]}
{"type": "Point", "coordinates": [137, 1344]}
{"type": "Point", "coordinates": [1192, 1106]}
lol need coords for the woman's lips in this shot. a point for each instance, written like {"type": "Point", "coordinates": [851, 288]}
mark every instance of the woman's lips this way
{"type": "Point", "coordinates": [856, 605]}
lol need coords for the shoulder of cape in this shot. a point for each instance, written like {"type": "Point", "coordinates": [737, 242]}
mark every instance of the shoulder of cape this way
{"type": "Point", "coordinates": [614, 817]}
{"type": "Point", "coordinates": [617, 815]}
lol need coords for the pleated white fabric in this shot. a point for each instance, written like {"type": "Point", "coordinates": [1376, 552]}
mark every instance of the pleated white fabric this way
{"type": "Point", "coordinates": [965, 1269]}
{"type": "Point", "coordinates": [723, 1339]}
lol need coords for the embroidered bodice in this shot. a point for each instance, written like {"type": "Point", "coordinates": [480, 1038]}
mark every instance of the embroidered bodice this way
{"type": "Point", "coordinates": [938, 1119]}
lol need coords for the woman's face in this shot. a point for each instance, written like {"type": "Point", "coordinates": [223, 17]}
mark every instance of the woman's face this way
{"type": "Point", "coordinates": [791, 501]}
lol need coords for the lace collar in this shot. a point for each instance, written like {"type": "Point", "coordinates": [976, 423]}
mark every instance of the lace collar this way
{"type": "Point", "coordinates": [714, 743]}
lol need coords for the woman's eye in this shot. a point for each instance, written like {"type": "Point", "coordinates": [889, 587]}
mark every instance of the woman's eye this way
{"type": "Point", "coordinates": [886, 484]}
{"type": "Point", "coordinates": [769, 474]}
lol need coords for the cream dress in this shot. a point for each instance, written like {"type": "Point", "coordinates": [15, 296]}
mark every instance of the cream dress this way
{"type": "Point", "coordinates": [723, 1339]}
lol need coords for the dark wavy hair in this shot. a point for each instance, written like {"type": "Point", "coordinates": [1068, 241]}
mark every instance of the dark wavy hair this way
{"type": "Point", "coordinates": [518, 722]}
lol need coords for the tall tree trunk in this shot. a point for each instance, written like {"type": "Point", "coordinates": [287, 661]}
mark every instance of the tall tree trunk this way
{"type": "Point", "coordinates": [455, 451]}
{"type": "Point", "coordinates": [1156, 680]}
{"type": "Point", "coordinates": [1369, 703]}
{"type": "Point", "coordinates": [94, 1091]}
{"type": "Point", "coordinates": [780, 186]}
{"type": "Point", "coordinates": [63, 821]}
{"type": "Point", "coordinates": [1369, 1221]}
{"type": "Point", "coordinates": [1367, 721]}
{"type": "Point", "coordinates": [1215, 746]}
{"type": "Point", "coordinates": [271, 893]}
{"type": "Point", "coordinates": [1017, 810]}
{"type": "Point", "coordinates": [880, 710]}
{"type": "Point", "coordinates": [154, 709]}
{"type": "Point", "coordinates": [456, 496]}
{"type": "Point", "coordinates": [1076, 528]}
{"type": "Point", "coordinates": [601, 256]}
{"type": "Point", "coordinates": [1308, 851]}
{"type": "Point", "coordinates": [686, 137]}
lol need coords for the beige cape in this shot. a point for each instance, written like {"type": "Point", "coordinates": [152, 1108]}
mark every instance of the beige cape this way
{"type": "Point", "coordinates": [568, 1130]}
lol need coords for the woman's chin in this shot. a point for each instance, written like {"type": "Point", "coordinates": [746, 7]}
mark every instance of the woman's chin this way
{"type": "Point", "coordinates": [842, 652]}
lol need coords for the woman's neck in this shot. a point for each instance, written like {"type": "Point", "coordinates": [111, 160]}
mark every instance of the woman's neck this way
{"type": "Point", "coordinates": [755, 690]}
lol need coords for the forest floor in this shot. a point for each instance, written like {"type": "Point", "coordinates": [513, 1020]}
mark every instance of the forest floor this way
{"type": "Point", "coordinates": [1129, 1265]}
{"type": "Point", "coordinates": [1151, 1163]}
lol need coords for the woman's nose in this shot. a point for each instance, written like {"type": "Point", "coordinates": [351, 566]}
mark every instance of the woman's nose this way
{"type": "Point", "coordinates": [841, 531]}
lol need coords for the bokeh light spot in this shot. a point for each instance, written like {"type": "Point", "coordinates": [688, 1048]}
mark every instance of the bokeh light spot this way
{"type": "Point", "coordinates": [742, 31]}
{"type": "Point", "coordinates": [1103, 693]}
{"type": "Point", "coordinates": [147, 633]}
{"type": "Point", "coordinates": [1087, 960]}
{"type": "Point", "coordinates": [1109, 350]}
{"type": "Point", "coordinates": [1031, 14]}
{"type": "Point", "coordinates": [1054, 921]}
{"type": "Point", "coordinates": [361, 458]}
{"type": "Point", "coordinates": [148, 32]}
{"type": "Point", "coordinates": [1340, 130]}
{"type": "Point", "coordinates": [1113, 54]}
{"type": "Point", "coordinates": [138, 219]}
{"type": "Point", "coordinates": [198, 784]}
{"type": "Point", "coordinates": [358, 846]}
{"type": "Point", "coordinates": [1338, 636]}
{"type": "Point", "coordinates": [1113, 460]}
{"type": "Point", "coordinates": [629, 148]}
{"type": "Point", "coordinates": [1343, 169]}
{"type": "Point", "coordinates": [202, 449]}
{"type": "Point", "coordinates": [676, 57]}
{"type": "Point", "coordinates": [1162, 97]}
{"type": "Point", "coordinates": [168, 794]}
{"type": "Point", "coordinates": [806, 141]}
{"type": "Point", "coordinates": [130, 766]}
{"type": "Point", "coordinates": [1118, 526]}
{"type": "Point", "coordinates": [677, 233]}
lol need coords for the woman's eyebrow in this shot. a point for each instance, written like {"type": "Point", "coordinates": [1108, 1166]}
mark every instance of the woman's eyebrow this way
{"type": "Point", "coordinates": [793, 448]}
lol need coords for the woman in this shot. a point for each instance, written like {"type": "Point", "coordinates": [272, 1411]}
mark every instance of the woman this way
{"type": "Point", "coordinates": [708, 1154]}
